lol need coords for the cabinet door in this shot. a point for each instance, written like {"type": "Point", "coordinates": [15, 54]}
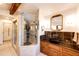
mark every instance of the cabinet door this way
{"type": "Point", "coordinates": [52, 52]}
{"type": "Point", "coordinates": [45, 50]}
{"type": "Point", "coordinates": [44, 47]}
{"type": "Point", "coordinates": [50, 49]}
{"type": "Point", "coordinates": [43, 44]}
{"type": "Point", "coordinates": [65, 54]}
{"type": "Point", "coordinates": [70, 52]}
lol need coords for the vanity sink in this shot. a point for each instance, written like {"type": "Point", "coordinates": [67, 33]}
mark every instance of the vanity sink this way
{"type": "Point", "coordinates": [55, 40]}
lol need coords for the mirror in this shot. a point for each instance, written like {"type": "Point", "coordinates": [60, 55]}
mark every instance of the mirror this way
{"type": "Point", "coordinates": [57, 22]}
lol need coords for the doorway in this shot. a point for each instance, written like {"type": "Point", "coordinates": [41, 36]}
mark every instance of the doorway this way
{"type": "Point", "coordinates": [6, 48]}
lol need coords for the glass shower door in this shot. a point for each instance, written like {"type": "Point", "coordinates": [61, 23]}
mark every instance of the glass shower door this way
{"type": "Point", "coordinates": [30, 32]}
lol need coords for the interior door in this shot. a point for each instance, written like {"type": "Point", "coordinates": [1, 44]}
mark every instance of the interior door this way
{"type": "Point", "coordinates": [7, 31]}
{"type": "Point", "coordinates": [1, 33]}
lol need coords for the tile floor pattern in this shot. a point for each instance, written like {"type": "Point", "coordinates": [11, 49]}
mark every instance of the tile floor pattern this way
{"type": "Point", "coordinates": [7, 50]}
{"type": "Point", "coordinates": [41, 54]}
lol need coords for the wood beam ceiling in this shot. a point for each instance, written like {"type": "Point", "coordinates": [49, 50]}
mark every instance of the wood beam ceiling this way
{"type": "Point", "coordinates": [14, 7]}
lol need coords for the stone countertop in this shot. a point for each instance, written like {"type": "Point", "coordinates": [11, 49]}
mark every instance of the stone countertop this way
{"type": "Point", "coordinates": [62, 31]}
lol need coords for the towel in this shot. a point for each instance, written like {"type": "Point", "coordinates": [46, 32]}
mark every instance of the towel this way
{"type": "Point", "coordinates": [75, 37]}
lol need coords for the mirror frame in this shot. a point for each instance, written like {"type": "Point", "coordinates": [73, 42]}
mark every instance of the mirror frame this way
{"type": "Point", "coordinates": [58, 15]}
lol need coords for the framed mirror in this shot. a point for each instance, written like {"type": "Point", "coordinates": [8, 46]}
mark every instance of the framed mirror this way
{"type": "Point", "coordinates": [57, 22]}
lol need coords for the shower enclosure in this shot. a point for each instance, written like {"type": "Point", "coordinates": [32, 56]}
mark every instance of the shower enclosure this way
{"type": "Point", "coordinates": [29, 30]}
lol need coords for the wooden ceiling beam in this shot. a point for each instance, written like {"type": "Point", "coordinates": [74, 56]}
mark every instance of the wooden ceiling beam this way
{"type": "Point", "coordinates": [14, 7]}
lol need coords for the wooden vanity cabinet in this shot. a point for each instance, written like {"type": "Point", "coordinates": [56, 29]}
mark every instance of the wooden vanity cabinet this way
{"type": "Point", "coordinates": [49, 49]}
{"type": "Point", "coordinates": [63, 49]}
{"type": "Point", "coordinates": [56, 50]}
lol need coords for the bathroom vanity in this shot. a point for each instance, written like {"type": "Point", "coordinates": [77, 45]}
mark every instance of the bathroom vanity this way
{"type": "Point", "coordinates": [59, 43]}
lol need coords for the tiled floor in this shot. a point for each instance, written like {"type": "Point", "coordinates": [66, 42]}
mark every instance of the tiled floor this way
{"type": "Point", "coordinates": [41, 54]}
{"type": "Point", "coordinates": [7, 50]}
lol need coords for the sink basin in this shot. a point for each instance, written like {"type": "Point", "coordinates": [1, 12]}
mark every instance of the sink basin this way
{"type": "Point", "coordinates": [55, 40]}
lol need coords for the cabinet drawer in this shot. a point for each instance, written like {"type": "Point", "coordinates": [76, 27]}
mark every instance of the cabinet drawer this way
{"type": "Point", "coordinates": [52, 52]}
{"type": "Point", "coordinates": [55, 47]}
{"type": "Point", "coordinates": [65, 54]}
{"type": "Point", "coordinates": [60, 53]}
{"type": "Point", "coordinates": [70, 52]}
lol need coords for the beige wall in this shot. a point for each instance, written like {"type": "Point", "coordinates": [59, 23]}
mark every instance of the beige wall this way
{"type": "Point", "coordinates": [70, 20]}
{"type": "Point", "coordinates": [77, 22]}
{"type": "Point", "coordinates": [44, 21]}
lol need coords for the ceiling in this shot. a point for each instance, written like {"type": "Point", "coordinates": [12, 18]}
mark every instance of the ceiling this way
{"type": "Point", "coordinates": [5, 6]}
{"type": "Point", "coordinates": [7, 10]}
{"type": "Point", "coordinates": [4, 10]}
{"type": "Point", "coordinates": [47, 8]}
{"type": "Point", "coordinates": [54, 5]}
{"type": "Point", "coordinates": [50, 6]}
{"type": "Point", "coordinates": [33, 7]}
